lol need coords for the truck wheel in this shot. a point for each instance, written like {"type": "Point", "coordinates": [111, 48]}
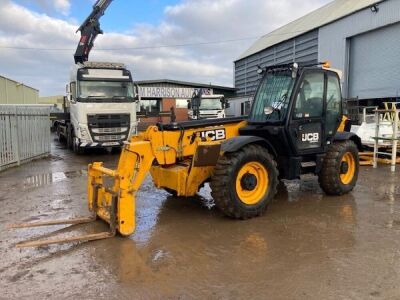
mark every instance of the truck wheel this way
{"type": "Point", "coordinates": [75, 148]}
{"type": "Point", "coordinates": [340, 168]}
{"type": "Point", "coordinates": [71, 141]}
{"type": "Point", "coordinates": [70, 137]}
{"type": "Point", "coordinates": [244, 182]}
{"type": "Point", "coordinates": [60, 137]}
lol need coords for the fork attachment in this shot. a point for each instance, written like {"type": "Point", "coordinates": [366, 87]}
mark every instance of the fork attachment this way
{"type": "Point", "coordinates": [111, 210]}
{"type": "Point", "coordinates": [114, 204]}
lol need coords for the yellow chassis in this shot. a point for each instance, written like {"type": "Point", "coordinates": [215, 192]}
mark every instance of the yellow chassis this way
{"type": "Point", "coordinates": [178, 161]}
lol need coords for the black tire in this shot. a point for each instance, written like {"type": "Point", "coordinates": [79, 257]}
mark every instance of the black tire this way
{"type": "Point", "coordinates": [223, 182]}
{"type": "Point", "coordinates": [171, 192]}
{"type": "Point", "coordinates": [70, 137]}
{"type": "Point", "coordinates": [330, 176]}
{"type": "Point", "coordinates": [76, 149]}
{"type": "Point", "coordinates": [71, 141]}
{"type": "Point", "coordinates": [60, 137]}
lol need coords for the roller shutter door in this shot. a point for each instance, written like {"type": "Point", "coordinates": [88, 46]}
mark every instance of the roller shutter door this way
{"type": "Point", "coordinates": [374, 65]}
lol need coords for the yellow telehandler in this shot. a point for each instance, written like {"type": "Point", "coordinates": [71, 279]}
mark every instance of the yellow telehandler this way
{"type": "Point", "coordinates": [296, 126]}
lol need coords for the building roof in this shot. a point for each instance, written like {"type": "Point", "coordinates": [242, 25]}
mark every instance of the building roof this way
{"type": "Point", "coordinates": [186, 83]}
{"type": "Point", "coordinates": [327, 14]}
{"type": "Point", "coordinates": [19, 83]}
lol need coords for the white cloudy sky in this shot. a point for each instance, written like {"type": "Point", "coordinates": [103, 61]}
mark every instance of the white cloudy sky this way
{"type": "Point", "coordinates": [184, 22]}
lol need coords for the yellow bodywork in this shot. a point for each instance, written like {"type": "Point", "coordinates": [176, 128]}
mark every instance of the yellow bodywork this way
{"type": "Point", "coordinates": [342, 124]}
{"type": "Point", "coordinates": [176, 160]}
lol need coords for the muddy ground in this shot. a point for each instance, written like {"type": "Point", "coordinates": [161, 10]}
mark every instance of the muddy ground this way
{"type": "Point", "coordinates": [307, 245]}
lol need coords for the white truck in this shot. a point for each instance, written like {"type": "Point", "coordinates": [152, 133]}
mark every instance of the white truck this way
{"type": "Point", "coordinates": [207, 107]}
{"type": "Point", "coordinates": [100, 107]}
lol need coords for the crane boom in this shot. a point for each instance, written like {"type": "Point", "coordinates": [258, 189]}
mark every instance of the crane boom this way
{"type": "Point", "coordinates": [89, 29]}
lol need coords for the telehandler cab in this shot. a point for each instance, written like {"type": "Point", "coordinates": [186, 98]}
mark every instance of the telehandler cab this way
{"type": "Point", "coordinates": [296, 126]}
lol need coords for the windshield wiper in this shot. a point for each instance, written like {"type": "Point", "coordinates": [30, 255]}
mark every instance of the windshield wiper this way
{"type": "Point", "coordinates": [94, 97]}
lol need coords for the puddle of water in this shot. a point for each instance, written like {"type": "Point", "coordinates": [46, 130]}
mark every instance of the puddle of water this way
{"type": "Point", "coordinates": [50, 178]}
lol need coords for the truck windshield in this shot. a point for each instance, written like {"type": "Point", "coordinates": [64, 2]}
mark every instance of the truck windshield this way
{"type": "Point", "coordinates": [210, 104]}
{"type": "Point", "coordinates": [106, 91]}
{"type": "Point", "coordinates": [274, 92]}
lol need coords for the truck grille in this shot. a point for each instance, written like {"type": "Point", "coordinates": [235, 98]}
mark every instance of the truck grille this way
{"type": "Point", "coordinates": [109, 127]}
{"type": "Point", "coordinates": [109, 138]}
{"type": "Point", "coordinates": [110, 130]}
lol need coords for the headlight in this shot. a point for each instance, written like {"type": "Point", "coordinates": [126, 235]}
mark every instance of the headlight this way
{"type": "Point", "coordinates": [84, 133]}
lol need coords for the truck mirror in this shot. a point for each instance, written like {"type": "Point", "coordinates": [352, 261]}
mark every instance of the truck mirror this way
{"type": "Point", "coordinates": [67, 88]}
{"type": "Point", "coordinates": [137, 94]}
{"type": "Point", "coordinates": [189, 105]}
{"type": "Point", "coordinates": [64, 103]}
{"type": "Point", "coordinates": [227, 105]}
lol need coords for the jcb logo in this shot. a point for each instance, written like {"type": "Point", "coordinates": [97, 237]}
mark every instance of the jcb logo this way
{"type": "Point", "coordinates": [310, 137]}
{"type": "Point", "coordinates": [215, 135]}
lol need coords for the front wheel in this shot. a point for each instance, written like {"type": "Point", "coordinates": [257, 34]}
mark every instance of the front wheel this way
{"type": "Point", "coordinates": [76, 149]}
{"type": "Point", "coordinates": [244, 182]}
{"type": "Point", "coordinates": [340, 168]}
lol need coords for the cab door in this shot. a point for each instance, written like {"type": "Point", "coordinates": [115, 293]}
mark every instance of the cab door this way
{"type": "Point", "coordinates": [307, 120]}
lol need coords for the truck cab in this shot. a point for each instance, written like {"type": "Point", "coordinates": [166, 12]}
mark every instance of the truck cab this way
{"type": "Point", "coordinates": [208, 107]}
{"type": "Point", "coordinates": [101, 103]}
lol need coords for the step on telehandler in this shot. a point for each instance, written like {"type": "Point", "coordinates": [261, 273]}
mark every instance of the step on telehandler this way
{"type": "Point", "coordinates": [296, 126]}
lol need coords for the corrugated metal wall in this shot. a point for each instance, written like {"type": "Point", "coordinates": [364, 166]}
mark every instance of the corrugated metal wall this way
{"type": "Point", "coordinates": [334, 39]}
{"type": "Point", "coordinates": [12, 92]}
{"type": "Point", "coordinates": [303, 48]}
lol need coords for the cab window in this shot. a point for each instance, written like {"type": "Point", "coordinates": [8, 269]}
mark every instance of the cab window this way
{"type": "Point", "coordinates": [310, 97]}
{"type": "Point", "coordinates": [333, 104]}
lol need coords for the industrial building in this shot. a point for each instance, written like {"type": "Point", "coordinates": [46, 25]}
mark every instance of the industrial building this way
{"type": "Point", "coordinates": [14, 92]}
{"type": "Point", "coordinates": [56, 101]}
{"type": "Point", "coordinates": [157, 97]}
{"type": "Point", "coordinates": [361, 38]}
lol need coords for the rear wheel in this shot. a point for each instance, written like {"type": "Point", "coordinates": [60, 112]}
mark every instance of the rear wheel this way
{"type": "Point", "coordinates": [244, 182]}
{"type": "Point", "coordinates": [60, 137]}
{"type": "Point", "coordinates": [340, 168]}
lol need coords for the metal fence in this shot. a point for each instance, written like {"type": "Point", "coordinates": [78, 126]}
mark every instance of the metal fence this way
{"type": "Point", "coordinates": [24, 134]}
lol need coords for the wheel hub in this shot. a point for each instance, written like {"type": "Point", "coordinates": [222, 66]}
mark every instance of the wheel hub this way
{"type": "Point", "coordinates": [344, 167]}
{"type": "Point", "coordinates": [248, 182]}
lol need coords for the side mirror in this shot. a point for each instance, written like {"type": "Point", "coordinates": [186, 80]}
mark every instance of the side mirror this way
{"type": "Point", "coordinates": [189, 105]}
{"type": "Point", "coordinates": [67, 89]}
{"type": "Point", "coordinates": [227, 104]}
{"type": "Point", "coordinates": [137, 94]}
{"type": "Point", "coordinates": [65, 105]}
{"type": "Point", "coordinates": [268, 110]}
{"type": "Point", "coordinates": [295, 68]}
